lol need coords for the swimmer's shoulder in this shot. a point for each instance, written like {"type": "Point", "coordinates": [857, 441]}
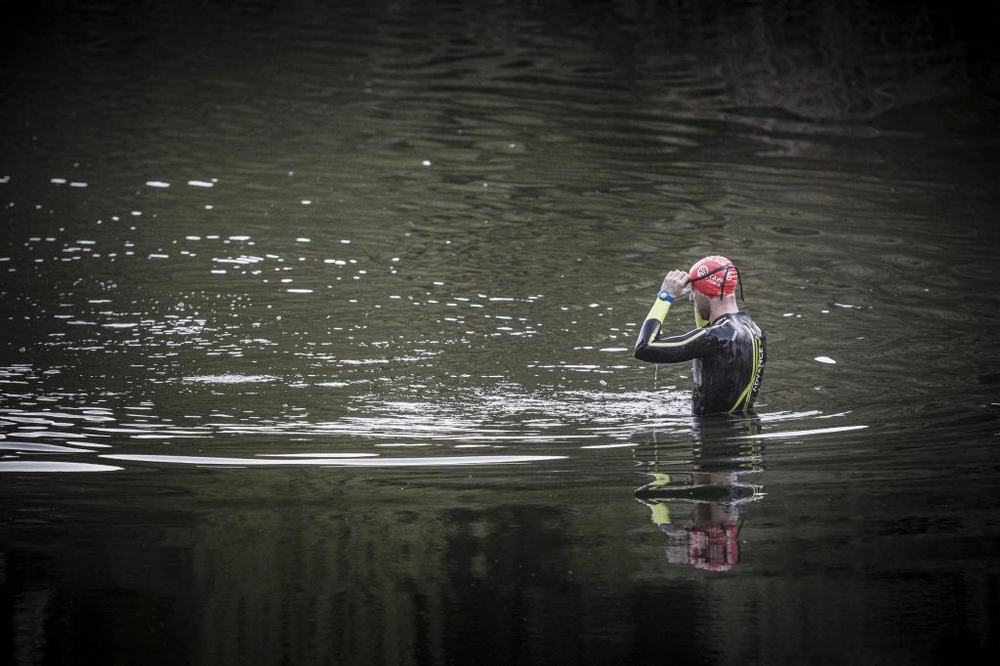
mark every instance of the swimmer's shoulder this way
{"type": "Point", "coordinates": [735, 320]}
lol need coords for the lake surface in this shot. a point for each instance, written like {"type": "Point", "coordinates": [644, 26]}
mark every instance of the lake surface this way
{"type": "Point", "coordinates": [317, 325]}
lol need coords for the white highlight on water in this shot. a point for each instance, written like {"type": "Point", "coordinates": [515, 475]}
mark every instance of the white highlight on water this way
{"type": "Point", "coordinates": [40, 466]}
{"type": "Point", "coordinates": [430, 461]}
{"type": "Point", "coordinates": [802, 433]}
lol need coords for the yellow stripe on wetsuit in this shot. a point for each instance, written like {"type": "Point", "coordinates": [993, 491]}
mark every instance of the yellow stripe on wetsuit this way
{"type": "Point", "coordinates": [745, 395]}
{"type": "Point", "coordinates": [659, 313]}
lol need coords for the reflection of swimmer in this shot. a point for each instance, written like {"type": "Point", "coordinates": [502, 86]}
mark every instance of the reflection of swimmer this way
{"type": "Point", "coordinates": [727, 348]}
{"type": "Point", "coordinates": [699, 511]}
{"type": "Point", "coordinates": [708, 537]}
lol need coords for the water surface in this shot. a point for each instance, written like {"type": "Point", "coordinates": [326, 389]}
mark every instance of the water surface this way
{"type": "Point", "coordinates": [317, 326]}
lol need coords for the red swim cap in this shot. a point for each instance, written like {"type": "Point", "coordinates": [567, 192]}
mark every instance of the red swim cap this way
{"type": "Point", "coordinates": [714, 276]}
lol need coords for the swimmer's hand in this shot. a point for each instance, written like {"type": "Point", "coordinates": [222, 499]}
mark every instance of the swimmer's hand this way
{"type": "Point", "coordinates": [678, 283]}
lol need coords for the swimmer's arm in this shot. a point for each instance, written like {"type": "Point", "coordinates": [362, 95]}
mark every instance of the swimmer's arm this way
{"type": "Point", "coordinates": [649, 346]}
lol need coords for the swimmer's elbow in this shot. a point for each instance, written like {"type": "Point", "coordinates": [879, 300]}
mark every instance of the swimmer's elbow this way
{"type": "Point", "coordinates": [642, 350]}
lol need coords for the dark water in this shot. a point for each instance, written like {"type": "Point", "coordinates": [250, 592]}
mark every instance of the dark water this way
{"type": "Point", "coordinates": [317, 317]}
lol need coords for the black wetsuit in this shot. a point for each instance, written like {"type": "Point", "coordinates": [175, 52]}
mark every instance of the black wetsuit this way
{"type": "Point", "coordinates": [728, 354]}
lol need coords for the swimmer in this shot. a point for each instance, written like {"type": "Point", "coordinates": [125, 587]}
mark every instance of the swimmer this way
{"type": "Point", "coordinates": [727, 348]}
